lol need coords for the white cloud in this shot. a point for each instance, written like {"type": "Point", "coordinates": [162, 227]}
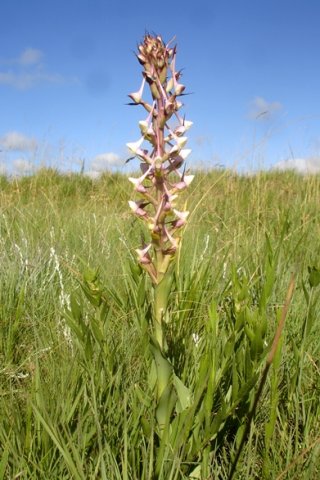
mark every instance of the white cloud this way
{"type": "Point", "coordinates": [18, 142]}
{"type": "Point", "coordinates": [22, 166]}
{"type": "Point", "coordinates": [300, 165]}
{"type": "Point", "coordinates": [30, 56]}
{"type": "Point", "coordinates": [27, 71]}
{"type": "Point", "coordinates": [261, 109]}
{"type": "Point", "coordinates": [106, 160]}
{"type": "Point", "coordinates": [25, 80]}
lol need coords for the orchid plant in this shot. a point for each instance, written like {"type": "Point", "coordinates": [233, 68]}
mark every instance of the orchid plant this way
{"type": "Point", "coordinates": [198, 390]}
{"type": "Point", "coordinates": [162, 167]}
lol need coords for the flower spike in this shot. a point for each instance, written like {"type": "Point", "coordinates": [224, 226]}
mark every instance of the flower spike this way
{"type": "Point", "coordinates": [161, 180]}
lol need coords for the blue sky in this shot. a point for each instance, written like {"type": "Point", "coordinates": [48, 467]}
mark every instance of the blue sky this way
{"type": "Point", "coordinates": [253, 68]}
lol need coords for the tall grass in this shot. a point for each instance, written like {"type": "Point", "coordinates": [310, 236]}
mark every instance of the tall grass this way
{"type": "Point", "coordinates": [75, 397]}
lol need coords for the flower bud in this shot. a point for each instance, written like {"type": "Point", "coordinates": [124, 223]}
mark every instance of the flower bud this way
{"type": "Point", "coordinates": [185, 153]}
{"type": "Point", "coordinates": [180, 130]}
{"type": "Point", "coordinates": [143, 255]}
{"type": "Point", "coordinates": [144, 125]}
{"type": "Point", "coordinates": [134, 147]}
{"type": "Point", "coordinates": [181, 141]}
{"type": "Point", "coordinates": [147, 131]}
{"type": "Point", "coordinates": [182, 217]}
{"type": "Point", "coordinates": [184, 182]}
{"type": "Point", "coordinates": [137, 96]}
{"type": "Point", "coordinates": [137, 185]}
{"type": "Point", "coordinates": [187, 124]}
{"type": "Point", "coordinates": [137, 208]}
{"type": "Point", "coordinates": [179, 88]}
{"type": "Point", "coordinates": [174, 241]}
{"type": "Point", "coordinates": [158, 162]}
{"type": "Point", "coordinates": [169, 108]}
{"type": "Point", "coordinates": [169, 86]}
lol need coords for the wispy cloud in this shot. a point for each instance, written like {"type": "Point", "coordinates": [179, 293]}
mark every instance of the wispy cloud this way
{"type": "Point", "coordinates": [261, 109]}
{"type": "Point", "coordinates": [18, 142]}
{"type": "Point", "coordinates": [106, 160]}
{"type": "Point", "coordinates": [300, 165]}
{"type": "Point", "coordinates": [24, 81]}
{"type": "Point", "coordinates": [22, 166]}
{"type": "Point", "coordinates": [27, 71]}
{"type": "Point", "coordinates": [30, 56]}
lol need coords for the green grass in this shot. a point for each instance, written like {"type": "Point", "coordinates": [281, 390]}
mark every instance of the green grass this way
{"type": "Point", "coordinates": [75, 396]}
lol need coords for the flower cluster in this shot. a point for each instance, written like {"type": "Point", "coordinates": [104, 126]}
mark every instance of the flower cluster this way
{"type": "Point", "coordinates": [162, 179]}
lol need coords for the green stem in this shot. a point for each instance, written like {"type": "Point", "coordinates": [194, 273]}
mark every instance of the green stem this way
{"type": "Point", "coordinates": [159, 309]}
{"type": "Point", "coordinates": [161, 298]}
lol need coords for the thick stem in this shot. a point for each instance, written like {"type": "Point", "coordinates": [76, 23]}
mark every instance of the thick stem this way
{"type": "Point", "coordinates": [161, 298]}
{"type": "Point", "coordinates": [160, 293]}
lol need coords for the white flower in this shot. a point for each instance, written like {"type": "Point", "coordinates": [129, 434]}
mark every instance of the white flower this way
{"type": "Point", "coordinates": [133, 206]}
{"type": "Point", "coordinates": [187, 124]}
{"type": "Point", "coordinates": [144, 125]}
{"type": "Point", "coordinates": [134, 147]}
{"type": "Point", "coordinates": [181, 215]}
{"type": "Point", "coordinates": [188, 179]}
{"type": "Point", "coordinates": [185, 153]}
{"type": "Point", "coordinates": [137, 96]}
{"type": "Point", "coordinates": [143, 255]}
{"type": "Point", "coordinates": [181, 141]}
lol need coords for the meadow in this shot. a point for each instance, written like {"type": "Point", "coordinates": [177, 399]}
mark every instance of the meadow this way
{"type": "Point", "coordinates": [75, 394]}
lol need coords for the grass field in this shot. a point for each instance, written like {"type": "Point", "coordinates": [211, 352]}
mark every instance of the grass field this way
{"type": "Point", "coordinates": [75, 396]}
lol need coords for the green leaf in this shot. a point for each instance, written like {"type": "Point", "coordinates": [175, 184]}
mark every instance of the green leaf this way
{"type": "Point", "coordinates": [93, 294]}
{"type": "Point", "coordinates": [74, 326]}
{"type": "Point", "coordinates": [75, 308]}
{"type": "Point", "coordinates": [141, 291]}
{"type": "Point", "coordinates": [165, 407]}
{"type": "Point", "coordinates": [92, 287]}
{"type": "Point", "coordinates": [143, 397]}
{"type": "Point", "coordinates": [60, 444]}
{"type": "Point", "coordinates": [196, 473]}
{"type": "Point", "coordinates": [163, 367]}
{"type": "Point", "coordinates": [240, 320]}
{"type": "Point", "coordinates": [90, 276]}
{"type": "Point", "coordinates": [162, 292]}
{"type": "Point", "coordinates": [184, 394]}
{"type": "Point", "coordinates": [4, 462]}
{"type": "Point", "coordinates": [235, 381]}
{"type": "Point", "coordinates": [146, 427]}
{"type": "Point", "coordinates": [135, 271]}
{"type": "Point", "coordinates": [306, 294]}
{"type": "Point", "coordinates": [212, 324]}
{"type": "Point", "coordinates": [97, 331]}
{"type": "Point", "coordinates": [314, 276]}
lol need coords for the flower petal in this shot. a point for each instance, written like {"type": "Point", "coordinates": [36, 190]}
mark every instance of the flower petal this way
{"type": "Point", "coordinates": [137, 96]}
{"type": "Point", "coordinates": [134, 147]}
{"type": "Point", "coordinates": [185, 153]}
